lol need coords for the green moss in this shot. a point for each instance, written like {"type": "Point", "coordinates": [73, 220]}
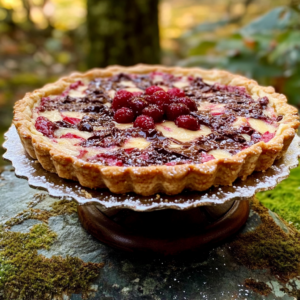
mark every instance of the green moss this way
{"type": "Point", "coordinates": [24, 274]}
{"type": "Point", "coordinates": [258, 287]}
{"type": "Point", "coordinates": [268, 247]}
{"type": "Point", "coordinates": [285, 198]}
{"type": "Point", "coordinates": [62, 207]}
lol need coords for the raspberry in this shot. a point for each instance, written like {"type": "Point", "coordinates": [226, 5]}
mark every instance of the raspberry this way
{"type": "Point", "coordinates": [191, 104]}
{"type": "Point", "coordinates": [71, 136]}
{"type": "Point", "coordinates": [148, 98]}
{"type": "Point", "coordinates": [267, 136]}
{"type": "Point", "coordinates": [144, 122]}
{"type": "Point", "coordinates": [152, 89]}
{"type": "Point", "coordinates": [113, 162]}
{"type": "Point", "coordinates": [229, 88]}
{"type": "Point", "coordinates": [45, 100]}
{"type": "Point", "coordinates": [121, 99]}
{"type": "Point", "coordinates": [144, 156]}
{"type": "Point", "coordinates": [181, 162]}
{"type": "Point", "coordinates": [108, 159]}
{"type": "Point", "coordinates": [137, 105]}
{"type": "Point", "coordinates": [175, 110]}
{"type": "Point", "coordinates": [171, 163]}
{"type": "Point", "coordinates": [73, 121]}
{"type": "Point", "coordinates": [161, 98]}
{"type": "Point", "coordinates": [217, 112]}
{"type": "Point", "coordinates": [206, 157]}
{"type": "Point", "coordinates": [45, 126]}
{"type": "Point", "coordinates": [82, 153]}
{"type": "Point", "coordinates": [75, 85]}
{"type": "Point", "coordinates": [176, 93]}
{"type": "Point", "coordinates": [187, 122]}
{"type": "Point", "coordinates": [129, 150]}
{"type": "Point", "coordinates": [155, 112]}
{"type": "Point", "coordinates": [124, 115]}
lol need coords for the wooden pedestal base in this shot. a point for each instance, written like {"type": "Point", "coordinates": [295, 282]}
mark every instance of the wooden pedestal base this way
{"type": "Point", "coordinates": [165, 232]}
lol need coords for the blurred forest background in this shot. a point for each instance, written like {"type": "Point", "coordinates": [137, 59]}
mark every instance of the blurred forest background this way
{"type": "Point", "coordinates": [41, 40]}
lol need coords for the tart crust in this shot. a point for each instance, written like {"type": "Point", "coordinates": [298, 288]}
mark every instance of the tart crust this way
{"type": "Point", "coordinates": [157, 179]}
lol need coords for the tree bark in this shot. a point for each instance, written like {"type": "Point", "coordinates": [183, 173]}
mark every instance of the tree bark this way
{"type": "Point", "coordinates": [123, 32]}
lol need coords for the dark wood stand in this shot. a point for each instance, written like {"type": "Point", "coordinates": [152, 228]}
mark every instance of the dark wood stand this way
{"type": "Point", "coordinates": [165, 232]}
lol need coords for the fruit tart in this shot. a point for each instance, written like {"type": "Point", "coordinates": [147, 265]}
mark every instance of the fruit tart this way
{"type": "Point", "coordinates": [154, 129]}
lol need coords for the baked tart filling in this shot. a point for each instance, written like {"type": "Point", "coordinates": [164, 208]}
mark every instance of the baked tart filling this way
{"type": "Point", "coordinates": [150, 129]}
{"type": "Point", "coordinates": [154, 119]}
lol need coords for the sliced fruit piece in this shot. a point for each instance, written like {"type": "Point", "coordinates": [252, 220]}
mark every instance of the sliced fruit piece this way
{"type": "Point", "coordinates": [139, 143]}
{"type": "Point", "coordinates": [123, 126]}
{"type": "Point", "coordinates": [52, 115]}
{"type": "Point", "coordinates": [170, 130]}
{"type": "Point", "coordinates": [247, 137]}
{"type": "Point", "coordinates": [79, 92]}
{"type": "Point", "coordinates": [128, 83]}
{"type": "Point", "coordinates": [73, 114]}
{"type": "Point", "coordinates": [181, 84]}
{"type": "Point", "coordinates": [63, 131]}
{"type": "Point", "coordinates": [174, 146]}
{"type": "Point", "coordinates": [215, 109]}
{"type": "Point", "coordinates": [158, 78]}
{"type": "Point", "coordinates": [207, 157]}
{"type": "Point", "coordinates": [240, 121]}
{"type": "Point", "coordinates": [261, 126]}
{"type": "Point", "coordinates": [220, 153]}
{"type": "Point", "coordinates": [112, 93]}
{"type": "Point", "coordinates": [270, 112]}
{"type": "Point", "coordinates": [134, 90]}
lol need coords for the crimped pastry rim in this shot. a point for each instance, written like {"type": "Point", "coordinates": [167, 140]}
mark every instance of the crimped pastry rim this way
{"type": "Point", "coordinates": [156, 179]}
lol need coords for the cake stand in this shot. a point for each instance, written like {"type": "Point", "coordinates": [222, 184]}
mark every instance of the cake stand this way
{"type": "Point", "coordinates": [159, 224]}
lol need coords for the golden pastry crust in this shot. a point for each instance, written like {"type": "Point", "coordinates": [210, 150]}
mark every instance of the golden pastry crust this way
{"type": "Point", "coordinates": [157, 179]}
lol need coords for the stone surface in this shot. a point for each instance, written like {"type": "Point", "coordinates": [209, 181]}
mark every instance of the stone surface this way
{"type": "Point", "coordinates": [73, 240]}
{"type": "Point", "coordinates": [214, 275]}
{"type": "Point", "coordinates": [25, 226]}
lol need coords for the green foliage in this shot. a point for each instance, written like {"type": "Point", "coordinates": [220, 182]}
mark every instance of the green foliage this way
{"type": "Point", "coordinates": [279, 18]}
{"type": "Point", "coordinates": [267, 49]}
{"type": "Point", "coordinates": [284, 199]}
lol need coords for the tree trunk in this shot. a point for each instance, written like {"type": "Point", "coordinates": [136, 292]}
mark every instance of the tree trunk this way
{"type": "Point", "coordinates": [123, 32]}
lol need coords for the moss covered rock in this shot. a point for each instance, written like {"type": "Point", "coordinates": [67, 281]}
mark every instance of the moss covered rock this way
{"type": "Point", "coordinates": [285, 198]}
